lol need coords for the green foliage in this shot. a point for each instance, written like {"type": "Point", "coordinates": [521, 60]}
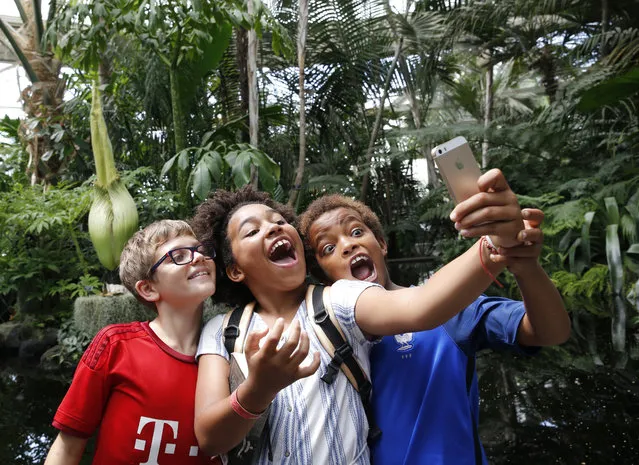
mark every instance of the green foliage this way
{"type": "Point", "coordinates": [72, 343]}
{"type": "Point", "coordinates": [222, 166]}
{"type": "Point", "coordinates": [85, 286]}
{"type": "Point", "coordinates": [589, 292]}
{"type": "Point", "coordinates": [44, 246]}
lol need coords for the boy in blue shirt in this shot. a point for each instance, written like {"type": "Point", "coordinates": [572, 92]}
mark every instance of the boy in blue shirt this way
{"type": "Point", "coordinates": [425, 395]}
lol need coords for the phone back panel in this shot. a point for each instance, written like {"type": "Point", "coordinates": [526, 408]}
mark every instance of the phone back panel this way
{"type": "Point", "coordinates": [460, 171]}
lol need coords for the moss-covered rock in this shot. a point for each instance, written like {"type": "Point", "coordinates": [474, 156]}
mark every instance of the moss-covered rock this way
{"type": "Point", "coordinates": [92, 313]}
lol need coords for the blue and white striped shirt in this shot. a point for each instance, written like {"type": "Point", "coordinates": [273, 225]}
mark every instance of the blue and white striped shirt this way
{"type": "Point", "coordinates": [313, 422]}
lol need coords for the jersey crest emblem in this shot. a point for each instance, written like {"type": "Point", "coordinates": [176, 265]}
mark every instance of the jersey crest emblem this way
{"type": "Point", "coordinates": [404, 342]}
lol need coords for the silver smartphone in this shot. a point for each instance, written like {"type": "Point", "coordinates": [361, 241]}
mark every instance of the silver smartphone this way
{"type": "Point", "coordinates": [458, 168]}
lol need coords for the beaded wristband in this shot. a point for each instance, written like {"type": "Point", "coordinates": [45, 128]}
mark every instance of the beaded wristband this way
{"type": "Point", "coordinates": [483, 241]}
{"type": "Point", "coordinates": [241, 411]}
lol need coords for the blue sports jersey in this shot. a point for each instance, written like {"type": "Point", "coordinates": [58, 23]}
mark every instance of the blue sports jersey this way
{"type": "Point", "coordinates": [427, 411]}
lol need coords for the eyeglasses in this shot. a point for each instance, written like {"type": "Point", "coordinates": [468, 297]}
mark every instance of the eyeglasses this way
{"type": "Point", "coordinates": [184, 256]}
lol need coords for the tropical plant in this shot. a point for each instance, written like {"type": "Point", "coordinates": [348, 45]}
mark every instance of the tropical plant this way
{"type": "Point", "coordinates": [113, 217]}
{"type": "Point", "coordinates": [217, 165]}
{"type": "Point", "coordinates": [43, 128]}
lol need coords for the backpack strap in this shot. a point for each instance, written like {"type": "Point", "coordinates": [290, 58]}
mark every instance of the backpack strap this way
{"type": "Point", "coordinates": [331, 336]}
{"type": "Point", "coordinates": [236, 323]}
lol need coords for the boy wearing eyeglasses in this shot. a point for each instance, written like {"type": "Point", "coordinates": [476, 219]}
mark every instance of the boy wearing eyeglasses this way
{"type": "Point", "coordinates": [134, 386]}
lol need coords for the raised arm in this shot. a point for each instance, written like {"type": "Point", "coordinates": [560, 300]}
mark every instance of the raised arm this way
{"type": "Point", "coordinates": [66, 450]}
{"type": "Point", "coordinates": [495, 212]}
{"type": "Point", "coordinates": [218, 426]}
{"type": "Point", "coordinates": [546, 321]}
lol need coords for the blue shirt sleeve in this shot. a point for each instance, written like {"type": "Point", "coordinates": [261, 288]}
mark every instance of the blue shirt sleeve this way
{"type": "Point", "coordinates": [488, 323]}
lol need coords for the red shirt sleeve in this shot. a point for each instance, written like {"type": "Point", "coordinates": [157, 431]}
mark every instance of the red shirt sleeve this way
{"type": "Point", "coordinates": [81, 410]}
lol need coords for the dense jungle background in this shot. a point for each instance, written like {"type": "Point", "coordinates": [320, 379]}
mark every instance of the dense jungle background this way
{"type": "Point", "coordinates": [303, 98]}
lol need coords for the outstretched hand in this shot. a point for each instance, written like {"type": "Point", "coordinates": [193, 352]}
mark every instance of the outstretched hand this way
{"type": "Point", "coordinates": [522, 256]}
{"type": "Point", "coordinates": [494, 211]}
{"type": "Point", "coordinates": [271, 368]}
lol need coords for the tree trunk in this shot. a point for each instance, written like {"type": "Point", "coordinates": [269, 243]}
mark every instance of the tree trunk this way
{"type": "Point", "coordinates": [179, 129]}
{"type": "Point", "coordinates": [179, 126]}
{"type": "Point", "coordinates": [241, 45]}
{"type": "Point", "coordinates": [545, 64]}
{"type": "Point", "coordinates": [42, 100]}
{"type": "Point", "coordinates": [253, 104]}
{"type": "Point", "coordinates": [488, 110]}
{"type": "Point", "coordinates": [378, 120]}
{"type": "Point", "coordinates": [301, 51]}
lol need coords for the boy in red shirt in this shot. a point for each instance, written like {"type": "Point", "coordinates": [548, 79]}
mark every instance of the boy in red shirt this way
{"type": "Point", "coordinates": [134, 386]}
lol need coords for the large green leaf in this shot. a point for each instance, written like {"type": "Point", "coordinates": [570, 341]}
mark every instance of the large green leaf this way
{"type": "Point", "coordinates": [215, 164]}
{"type": "Point", "coordinates": [183, 159]}
{"type": "Point", "coordinates": [585, 237]}
{"type": "Point", "coordinates": [612, 210]}
{"type": "Point", "coordinates": [240, 163]}
{"type": "Point", "coordinates": [618, 329]}
{"type": "Point", "coordinates": [168, 165]}
{"type": "Point", "coordinates": [201, 180]}
{"type": "Point", "coordinates": [610, 91]}
{"type": "Point", "coordinates": [613, 255]}
{"type": "Point", "coordinates": [575, 265]}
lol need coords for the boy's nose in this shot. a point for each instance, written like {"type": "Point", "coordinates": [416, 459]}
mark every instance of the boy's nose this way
{"type": "Point", "coordinates": [199, 256]}
{"type": "Point", "coordinates": [348, 247]}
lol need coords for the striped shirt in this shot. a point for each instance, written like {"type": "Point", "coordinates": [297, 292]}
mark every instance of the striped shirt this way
{"type": "Point", "coordinates": [313, 422]}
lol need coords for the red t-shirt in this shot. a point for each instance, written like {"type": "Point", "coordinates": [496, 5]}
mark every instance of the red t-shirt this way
{"type": "Point", "coordinates": [139, 394]}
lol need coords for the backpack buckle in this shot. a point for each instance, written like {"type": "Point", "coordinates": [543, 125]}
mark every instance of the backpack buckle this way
{"type": "Point", "coordinates": [231, 331]}
{"type": "Point", "coordinates": [341, 353]}
{"type": "Point", "coordinates": [320, 316]}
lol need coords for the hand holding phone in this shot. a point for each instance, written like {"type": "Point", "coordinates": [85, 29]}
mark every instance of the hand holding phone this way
{"type": "Point", "coordinates": [461, 173]}
{"type": "Point", "coordinates": [458, 168]}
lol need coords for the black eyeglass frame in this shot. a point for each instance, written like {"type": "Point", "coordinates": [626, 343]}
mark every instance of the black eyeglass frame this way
{"type": "Point", "coordinates": [196, 248]}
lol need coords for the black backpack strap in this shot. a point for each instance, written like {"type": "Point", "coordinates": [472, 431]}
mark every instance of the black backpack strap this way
{"type": "Point", "coordinates": [330, 335]}
{"type": "Point", "coordinates": [232, 328]}
{"type": "Point", "coordinates": [236, 323]}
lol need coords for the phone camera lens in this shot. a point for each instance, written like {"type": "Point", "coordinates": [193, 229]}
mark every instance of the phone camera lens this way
{"type": "Point", "coordinates": [439, 151]}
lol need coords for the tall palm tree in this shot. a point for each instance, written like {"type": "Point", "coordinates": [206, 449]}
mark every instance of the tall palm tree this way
{"type": "Point", "coordinates": [42, 99]}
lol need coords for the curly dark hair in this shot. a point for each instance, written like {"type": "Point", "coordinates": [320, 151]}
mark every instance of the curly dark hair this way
{"type": "Point", "coordinates": [329, 203]}
{"type": "Point", "coordinates": [210, 225]}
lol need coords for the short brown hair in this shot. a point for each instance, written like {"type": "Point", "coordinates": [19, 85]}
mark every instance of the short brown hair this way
{"type": "Point", "coordinates": [329, 203]}
{"type": "Point", "coordinates": [210, 224]}
{"type": "Point", "coordinates": [138, 255]}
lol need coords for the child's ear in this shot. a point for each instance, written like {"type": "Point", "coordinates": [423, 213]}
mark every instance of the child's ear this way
{"type": "Point", "coordinates": [382, 245]}
{"type": "Point", "coordinates": [147, 291]}
{"type": "Point", "coordinates": [234, 273]}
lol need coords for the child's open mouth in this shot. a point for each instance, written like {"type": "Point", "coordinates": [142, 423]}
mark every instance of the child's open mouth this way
{"type": "Point", "coordinates": [282, 253]}
{"type": "Point", "coordinates": [362, 267]}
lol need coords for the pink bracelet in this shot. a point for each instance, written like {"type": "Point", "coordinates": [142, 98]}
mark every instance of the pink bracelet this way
{"type": "Point", "coordinates": [241, 411]}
